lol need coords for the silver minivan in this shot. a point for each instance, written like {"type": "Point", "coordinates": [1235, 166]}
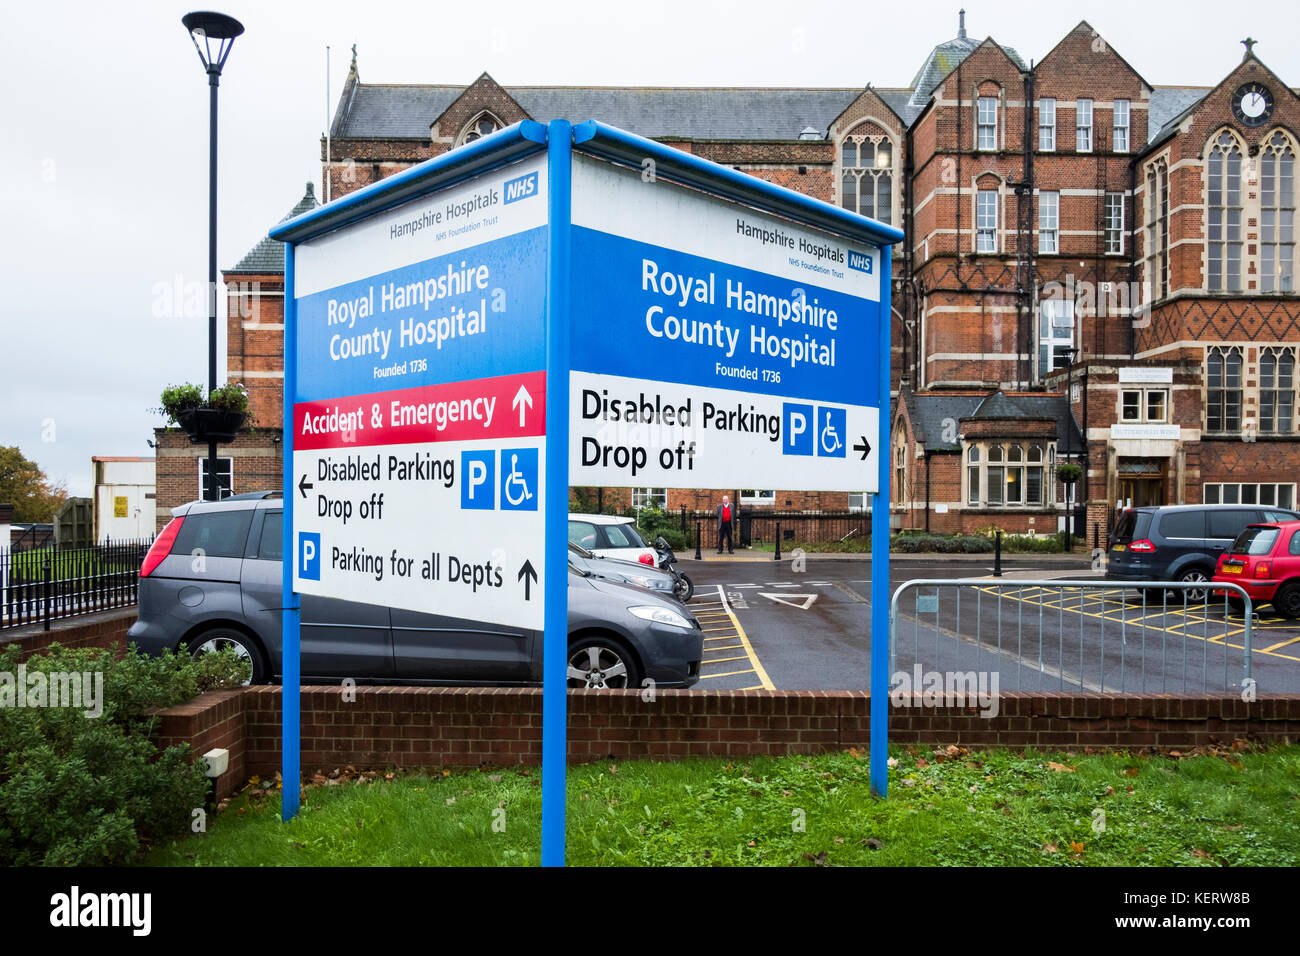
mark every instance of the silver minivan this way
{"type": "Point", "coordinates": [213, 579]}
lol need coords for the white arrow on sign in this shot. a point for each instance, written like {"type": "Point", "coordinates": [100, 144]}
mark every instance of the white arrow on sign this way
{"type": "Point", "coordinates": [804, 602]}
{"type": "Point", "coordinates": [522, 401]}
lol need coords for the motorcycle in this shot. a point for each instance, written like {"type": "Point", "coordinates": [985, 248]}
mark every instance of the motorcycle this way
{"type": "Point", "coordinates": [683, 588]}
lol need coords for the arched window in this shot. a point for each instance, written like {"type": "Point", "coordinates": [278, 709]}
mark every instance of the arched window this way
{"type": "Point", "coordinates": [482, 125]}
{"type": "Point", "coordinates": [1223, 215]}
{"type": "Point", "coordinates": [973, 475]}
{"type": "Point", "coordinates": [867, 175]}
{"type": "Point", "coordinates": [1277, 204]}
{"type": "Point", "coordinates": [1276, 390]}
{"type": "Point", "coordinates": [1223, 389]}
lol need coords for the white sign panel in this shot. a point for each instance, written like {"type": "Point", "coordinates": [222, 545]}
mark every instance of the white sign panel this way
{"type": "Point", "coordinates": [715, 346]}
{"type": "Point", "coordinates": [419, 418]}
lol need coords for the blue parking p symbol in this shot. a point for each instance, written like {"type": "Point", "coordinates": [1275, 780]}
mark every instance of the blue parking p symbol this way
{"type": "Point", "coordinates": [309, 555]}
{"type": "Point", "coordinates": [478, 480]}
{"type": "Point", "coordinates": [800, 429]}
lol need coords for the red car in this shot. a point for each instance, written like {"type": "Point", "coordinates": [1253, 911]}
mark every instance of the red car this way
{"type": "Point", "coordinates": [1265, 561]}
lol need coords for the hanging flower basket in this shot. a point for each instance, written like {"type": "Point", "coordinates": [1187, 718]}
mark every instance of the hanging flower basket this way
{"type": "Point", "coordinates": [207, 425]}
{"type": "Point", "coordinates": [218, 418]}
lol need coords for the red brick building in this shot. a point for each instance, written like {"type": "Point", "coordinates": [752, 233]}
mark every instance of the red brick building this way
{"type": "Point", "coordinates": [1096, 270]}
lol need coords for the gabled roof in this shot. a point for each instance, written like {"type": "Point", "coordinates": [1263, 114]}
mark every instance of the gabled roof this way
{"type": "Point", "coordinates": [942, 61]}
{"type": "Point", "coordinates": [267, 257]}
{"type": "Point", "coordinates": [1188, 103]}
{"type": "Point", "coordinates": [999, 405]}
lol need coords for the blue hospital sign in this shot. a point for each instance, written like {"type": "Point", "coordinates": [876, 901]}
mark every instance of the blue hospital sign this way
{"type": "Point", "coordinates": [419, 411]}
{"type": "Point", "coordinates": [716, 346]}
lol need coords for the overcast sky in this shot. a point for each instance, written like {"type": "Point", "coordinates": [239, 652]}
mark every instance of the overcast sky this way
{"type": "Point", "coordinates": [103, 142]}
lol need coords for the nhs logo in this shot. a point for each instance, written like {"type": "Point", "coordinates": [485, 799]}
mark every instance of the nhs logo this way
{"type": "Point", "coordinates": [521, 188]}
{"type": "Point", "coordinates": [857, 260]}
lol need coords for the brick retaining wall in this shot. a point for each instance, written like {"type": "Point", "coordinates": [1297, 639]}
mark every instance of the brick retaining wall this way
{"type": "Point", "coordinates": [103, 629]}
{"type": "Point", "coordinates": [431, 726]}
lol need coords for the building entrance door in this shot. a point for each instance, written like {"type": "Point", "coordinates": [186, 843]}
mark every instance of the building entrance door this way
{"type": "Point", "coordinates": [1142, 482]}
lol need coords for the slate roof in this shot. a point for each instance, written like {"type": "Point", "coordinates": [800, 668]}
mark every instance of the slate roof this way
{"type": "Point", "coordinates": [1168, 106]}
{"type": "Point", "coordinates": [943, 59]}
{"type": "Point", "coordinates": [929, 411]}
{"type": "Point", "coordinates": [1000, 405]}
{"type": "Point", "coordinates": [406, 112]}
{"type": "Point", "coordinates": [267, 257]}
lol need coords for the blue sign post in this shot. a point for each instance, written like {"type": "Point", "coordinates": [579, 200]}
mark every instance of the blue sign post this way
{"type": "Point", "coordinates": [490, 309]}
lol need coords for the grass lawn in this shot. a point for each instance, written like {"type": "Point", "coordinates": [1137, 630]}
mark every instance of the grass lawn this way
{"type": "Point", "coordinates": [946, 807]}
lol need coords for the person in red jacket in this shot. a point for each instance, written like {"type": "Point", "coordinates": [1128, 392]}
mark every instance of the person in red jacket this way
{"type": "Point", "coordinates": [726, 515]}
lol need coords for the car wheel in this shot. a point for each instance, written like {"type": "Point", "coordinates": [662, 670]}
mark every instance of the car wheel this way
{"type": "Point", "coordinates": [600, 662]}
{"type": "Point", "coordinates": [1193, 595]}
{"type": "Point", "coordinates": [245, 648]}
{"type": "Point", "coordinates": [1287, 600]}
{"type": "Point", "coordinates": [683, 588]}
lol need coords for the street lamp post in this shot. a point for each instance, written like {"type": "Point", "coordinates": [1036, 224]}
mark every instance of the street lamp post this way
{"type": "Point", "coordinates": [214, 36]}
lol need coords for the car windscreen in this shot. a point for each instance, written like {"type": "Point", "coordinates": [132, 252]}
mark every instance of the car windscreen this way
{"type": "Point", "coordinates": [1132, 526]}
{"type": "Point", "coordinates": [1255, 541]}
{"type": "Point", "coordinates": [623, 536]}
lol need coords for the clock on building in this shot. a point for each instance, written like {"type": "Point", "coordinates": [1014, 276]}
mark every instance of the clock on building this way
{"type": "Point", "coordinates": [1252, 104]}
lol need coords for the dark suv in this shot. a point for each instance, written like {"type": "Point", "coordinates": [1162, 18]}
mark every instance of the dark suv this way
{"type": "Point", "coordinates": [212, 579]}
{"type": "Point", "coordinates": [1180, 542]}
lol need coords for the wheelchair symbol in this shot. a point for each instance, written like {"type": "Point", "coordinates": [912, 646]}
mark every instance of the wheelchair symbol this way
{"type": "Point", "coordinates": [516, 479]}
{"type": "Point", "coordinates": [830, 440]}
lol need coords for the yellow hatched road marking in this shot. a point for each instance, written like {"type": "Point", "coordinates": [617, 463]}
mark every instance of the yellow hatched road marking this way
{"type": "Point", "coordinates": [731, 674]}
{"type": "Point", "coordinates": [1179, 624]}
{"type": "Point", "coordinates": [726, 660]}
{"type": "Point", "coordinates": [749, 648]}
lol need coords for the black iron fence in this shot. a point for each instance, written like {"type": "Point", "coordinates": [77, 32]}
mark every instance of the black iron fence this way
{"type": "Point", "coordinates": [759, 528]}
{"type": "Point", "coordinates": [38, 585]}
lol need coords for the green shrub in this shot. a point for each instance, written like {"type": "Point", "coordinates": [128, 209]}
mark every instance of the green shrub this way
{"type": "Point", "coordinates": [79, 790]}
{"type": "Point", "coordinates": [940, 544]}
{"type": "Point", "coordinates": [652, 522]}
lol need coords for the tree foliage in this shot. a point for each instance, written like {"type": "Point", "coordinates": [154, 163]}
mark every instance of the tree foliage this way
{"type": "Point", "coordinates": [22, 483]}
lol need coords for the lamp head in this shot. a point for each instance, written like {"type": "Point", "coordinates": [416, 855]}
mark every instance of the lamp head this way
{"type": "Point", "coordinates": [213, 35]}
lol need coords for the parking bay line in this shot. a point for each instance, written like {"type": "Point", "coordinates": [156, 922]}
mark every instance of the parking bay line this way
{"type": "Point", "coordinates": [744, 639]}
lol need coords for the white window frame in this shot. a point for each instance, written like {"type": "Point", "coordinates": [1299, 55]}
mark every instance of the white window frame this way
{"type": "Point", "coordinates": [1219, 493]}
{"type": "Point", "coordinates": [1126, 114]}
{"type": "Point", "coordinates": [225, 466]}
{"type": "Point", "coordinates": [1047, 124]}
{"type": "Point", "coordinates": [1049, 222]}
{"type": "Point", "coordinates": [1083, 130]}
{"type": "Point", "coordinates": [982, 229]}
{"type": "Point", "coordinates": [1145, 405]}
{"type": "Point", "coordinates": [860, 501]}
{"type": "Point", "coordinates": [983, 124]}
{"type": "Point", "coordinates": [650, 498]}
{"type": "Point", "coordinates": [1277, 245]}
{"type": "Point", "coordinates": [1051, 312]}
{"type": "Point", "coordinates": [758, 497]}
{"type": "Point", "coordinates": [990, 465]}
{"type": "Point", "coordinates": [1113, 218]}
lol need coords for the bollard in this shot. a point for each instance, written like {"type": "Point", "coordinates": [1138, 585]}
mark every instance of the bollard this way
{"type": "Point", "coordinates": [46, 589]}
{"type": "Point", "coordinates": [997, 555]}
{"type": "Point", "coordinates": [777, 555]}
{"type": "Point", "coordinates": [698, 556]}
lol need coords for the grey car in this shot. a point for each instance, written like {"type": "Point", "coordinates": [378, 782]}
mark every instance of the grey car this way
{"type": "Point", "coordinates": [622, 572]}
{"type": "Point", "coordinates": [213, 579]}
